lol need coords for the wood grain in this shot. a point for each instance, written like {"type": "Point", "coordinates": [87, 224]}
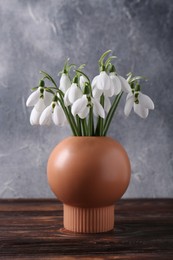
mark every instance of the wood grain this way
{"type": "Point", "coordinates": [32, 229]}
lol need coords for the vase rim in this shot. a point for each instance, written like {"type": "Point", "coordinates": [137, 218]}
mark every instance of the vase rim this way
{"type": "Point", "coordinates": [88, 136]}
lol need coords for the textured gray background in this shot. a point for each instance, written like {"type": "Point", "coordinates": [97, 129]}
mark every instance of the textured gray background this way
{"type": "Point", "coordinates": [40, 34]}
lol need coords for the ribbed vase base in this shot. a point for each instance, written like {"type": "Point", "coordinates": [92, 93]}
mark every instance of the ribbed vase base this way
{"type": "Point", "coordinates": [88, 220]}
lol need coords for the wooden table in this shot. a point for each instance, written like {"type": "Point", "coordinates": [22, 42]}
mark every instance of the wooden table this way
{"type": "Point", "coordinates": [32, 229]}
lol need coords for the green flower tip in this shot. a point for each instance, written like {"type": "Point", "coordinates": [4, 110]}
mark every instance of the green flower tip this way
{"type": "Point", "coordinates": [41, 83]}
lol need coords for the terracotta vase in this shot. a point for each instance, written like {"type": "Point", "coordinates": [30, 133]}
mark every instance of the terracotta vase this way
{"type": "Point", "coordinates": [88, 174]}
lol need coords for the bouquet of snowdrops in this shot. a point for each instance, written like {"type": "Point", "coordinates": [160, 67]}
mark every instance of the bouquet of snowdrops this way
{"type": "Point", "coordinates": [83, 104]}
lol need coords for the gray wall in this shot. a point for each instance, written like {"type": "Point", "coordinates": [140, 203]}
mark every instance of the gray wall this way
{"type": "Point", "coordinates": [40, 34]}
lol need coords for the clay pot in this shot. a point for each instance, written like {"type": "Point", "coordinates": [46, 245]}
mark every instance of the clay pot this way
{"type": "Point", "coordinates": [88, 174]}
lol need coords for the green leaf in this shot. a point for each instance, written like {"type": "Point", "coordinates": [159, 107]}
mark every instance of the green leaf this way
{"type": "Point", "coordinates": [91, 122]}
{"type": "Point", "coordinates": [78, 120]}
{"type": "Point", "coordinates": [99, 127]}
{"type": "Point", "coordinates": [84, 127]}
{"type": "Point", "coordinates": [137, 78]}
{"type": "Point", "coordinates": [103, 56]}
{"type": "Point", "coordinates": [46, 75]}
{"type": "Point", "coordinates": [108, 61]}
{"type": "Point", "coordinates": [111, 113]}
{"type": "Point", "coordinates": [35, 88]}
{"type": "Point", "coordinates": [81, 67]}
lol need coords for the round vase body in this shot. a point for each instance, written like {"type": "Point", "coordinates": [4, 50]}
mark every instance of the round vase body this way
{"type": "Point", "coordinates": [88, 174]}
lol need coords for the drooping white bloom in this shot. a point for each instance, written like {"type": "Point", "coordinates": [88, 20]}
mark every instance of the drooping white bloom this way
{"type": "Point", "coordinates": [33, 98]}
{"type": "Point", "coordinates": [39, 99]}
{"type": "Point", "coordinates": [37, 111]}
{"type": "Point", "coordinates": [58, 116]}
{"type": "Point", "coordinates": [140, 102]}
{"type": "Point", "coordinates": [115, 88]}
{"type": "Point", "coordinates": [65, 83]}
{"type": "Point", "coordinates": [53, 112]}
{"type": "Point", "coordinates": [101, 81]}
{"type": "Point", "coordinates": [82, 81]}
{"type": "Point", "coordinates": [81, 107]}
{"type": "Point", "coordinates": [108, 85]}
{"type": "Point", "coordinates": [97, 108]}
{"type": "Point", "coordinates": [124, 84]}
{"type": "Point", "coordinates": [72, 94]}
{"type": "Point", "coordinates": [107, 104]}
{"type": "Point", "coordinates": [97, 93]}
{"type": "Point", "coordinates": [45, 118]}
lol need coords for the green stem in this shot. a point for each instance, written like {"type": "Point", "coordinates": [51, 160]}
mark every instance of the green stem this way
{"type": "Point", "coordinates": [79, 125]}
{"type": "Point", "coordinates": [69, 118]}
{"type": "Point", "coordinates": [84, 127]}
{"type": "Point", "coordinates": [99, 127]}
{"type": "Point", "coordinates": [91, 123]}
{"type": "Point", "coordinates": [72, 120]}
{"type": "Point", "coordinates": [111, 114]}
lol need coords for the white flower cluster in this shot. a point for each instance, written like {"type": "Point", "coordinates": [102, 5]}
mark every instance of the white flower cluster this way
{"type": "Point", "coordinates": [45, 110]}
{"type": "Point", "coordinates": [79, 97]}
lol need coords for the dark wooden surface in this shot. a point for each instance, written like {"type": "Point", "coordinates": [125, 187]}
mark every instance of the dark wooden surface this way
{"type": "Point", "coordinates": [32, 229]}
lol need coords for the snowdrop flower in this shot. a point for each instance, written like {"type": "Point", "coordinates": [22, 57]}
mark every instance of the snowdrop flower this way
{"type": "Point", "coordinates": [124, 84]}
{"type": "Point", "coordinates": [101, 81]}
{"type": "Point", "coordinates": [33, 98]}
{"type": "Point", "coordinates": [36, 95]}
{"type": "Point", "coordinates": [72, 94]}
{"type": "Point", "coordinates": [97, 108]}
{"type": "Point", "coordinates": [107, 104]}
{"type": "Point", "coordinates": [107, 85]}
{"type": "Point", "coordinates": [140, 102]}
{"type": "Point", "coordinates": [97, 93]}
{"type": "Point", "coordinates": [65, 83]}
{"type": "Point", "coordinates": [115, 88]}
{"type": "Point", "coordinates": [82, 81]}
{"type": "Point", "coordinates": [53, 112]}
{"type": "Point", "coordinates": [39, 99]}
{"type": "Point", "coordinates": [82, 106]}
{"type": "Point", "coordinates": [36, 112]}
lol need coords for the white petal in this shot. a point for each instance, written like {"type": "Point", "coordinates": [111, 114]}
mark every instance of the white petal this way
{"type": "Point", "coordinates": [97, 93]}
{"type": "Point", "coordinates": [79, 105]}
{"type": "Point", "coordinates": [129, 105]}
{"type": "Point", "coordinates": [129, 95]}
{"type": "Point", "coordinates": [103, 81]}
{"type": "Point", "coordinates": [74, 93]}
{"type": "Point", "coordinates": [40, 106]}
{"type": "Point", "coordinates": [94, 81]}
{"type": "Point", "coordinates": [124, 84]}
{"type": "Point", "coordinates": [109, 92]}
{"type": "Point", "coordinates": [45, 118]}
{"type": "Point", "coordinates": [34, 117]}
{"type": "Point", "coordinates": [107, 104]}
{"type": "Point", "coordinates": [140, 110]}
{"type": "Point", "coordinates": [58, 116]}
{"type": "Point", "coordinates": [82, 81]}
{"type": "Point", "coordinates": [33, 98]}
{"type": "Point", "coordinates": [116, 83]}
{"type": "Point", "coordinates": [84, 113]}
{"type": "Point", "coordinates": [47, 98]}
{"type": "Point", "coordinates": [145, 101]}
{"type": "Point", "coordinates": [66, 98]}
{"type": "Point", "coordinates": [65, 83]}
{"type": "Point", "coordinates": [98, 109]}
